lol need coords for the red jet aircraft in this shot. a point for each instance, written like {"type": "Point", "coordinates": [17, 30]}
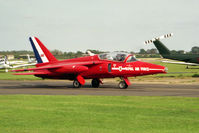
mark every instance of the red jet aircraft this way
{"type": "Point", "coordinates": [95, 67]}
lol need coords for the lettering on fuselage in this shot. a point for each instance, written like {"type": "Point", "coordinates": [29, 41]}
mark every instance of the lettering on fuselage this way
{"type": "Point", "coordinates": [129, 68]}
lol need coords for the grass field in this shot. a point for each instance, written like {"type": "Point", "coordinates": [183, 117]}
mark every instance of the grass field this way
{"type": "Point", "coordinates": [98, 114]}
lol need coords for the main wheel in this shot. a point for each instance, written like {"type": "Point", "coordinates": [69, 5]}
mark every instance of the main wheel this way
{"type": "Point", "coordinates": [76, 84]}
{"type": "Point", "coordinates": [122, 85]}
{"type": "Point", "coordinates": [95, 83]}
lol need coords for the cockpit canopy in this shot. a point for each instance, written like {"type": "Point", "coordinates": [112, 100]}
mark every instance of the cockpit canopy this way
{"type": "Point", "coordinates": [118, 56]}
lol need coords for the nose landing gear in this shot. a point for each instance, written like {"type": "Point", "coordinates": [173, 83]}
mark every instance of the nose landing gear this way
{"type": "Point", "coordinates": [76, 84]}
{"type": "Point", "coordinates": [122, 85]}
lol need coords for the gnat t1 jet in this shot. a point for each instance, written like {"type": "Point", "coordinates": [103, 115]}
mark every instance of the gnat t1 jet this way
{"type": "Point", "coordinates": [95, 67]}
{"type": "Point", "coordinates": [188, 59]}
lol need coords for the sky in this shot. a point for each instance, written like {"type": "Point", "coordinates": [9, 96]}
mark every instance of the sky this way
{"type": "Point", "coordinates": [108, 25]}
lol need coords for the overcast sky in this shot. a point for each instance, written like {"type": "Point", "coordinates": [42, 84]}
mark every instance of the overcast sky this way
{"type": "Point", "coordinates": [109, 25]}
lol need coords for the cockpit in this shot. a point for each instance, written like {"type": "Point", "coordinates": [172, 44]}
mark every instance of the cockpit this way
{"type": "Point", "coordinates": [118, 56]}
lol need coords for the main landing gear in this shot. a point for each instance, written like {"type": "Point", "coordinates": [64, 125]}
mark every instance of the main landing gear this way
{"type": "Point", "coordinates": [95, 83]}
{"type": "Point", "coordinates": [76, 84]}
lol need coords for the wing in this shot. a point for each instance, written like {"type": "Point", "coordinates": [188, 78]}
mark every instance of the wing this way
{"type": "Point", "coordinates": [16, 62]}
{"type": "Point", "coordinates": [76, 67]}
{"type": "Point", "coordinates": [181, 63]}
{"type": "Point", "coordinates": [24, 65]}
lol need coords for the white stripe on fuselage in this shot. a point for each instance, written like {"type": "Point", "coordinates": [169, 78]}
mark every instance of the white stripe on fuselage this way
{"type": "Point", "coordinates": [120, 68]}
{"type": "Point", "coordinates": [40, 51]}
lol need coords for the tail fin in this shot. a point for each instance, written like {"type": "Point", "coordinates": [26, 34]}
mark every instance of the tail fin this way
{"type": "Point", "coordinates": [6, 60]}
{"type": "Point", "coordinates": [90, 53]}
{"type": "Point", "coordinates": [42, 54]}
{"type": "Point", "coordinates": [29, 59]}
{"type": "Point", "coordinates": [163, 50]}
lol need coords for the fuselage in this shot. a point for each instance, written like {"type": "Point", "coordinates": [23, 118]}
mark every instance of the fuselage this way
{"type": "Point", "coordinates": [101, 68]}
{"type": "Point", "coordinates": [191, 58]}
{"type": "Point", "coordinates": [95, 67]}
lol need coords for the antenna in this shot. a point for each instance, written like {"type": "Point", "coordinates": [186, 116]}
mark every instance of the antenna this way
{"type": "Point", "coordinates": [158, 38]}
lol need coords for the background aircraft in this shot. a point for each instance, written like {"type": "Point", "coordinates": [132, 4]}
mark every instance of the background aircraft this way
{"type": "Point", "coordinates": [5, 64]}
{"type": "Point", "coordinates": [95, 67]}
{"type": "Point", "coordinates": [188, 59]}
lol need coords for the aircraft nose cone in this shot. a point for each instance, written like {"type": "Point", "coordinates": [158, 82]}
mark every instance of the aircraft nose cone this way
{"type": "Point", "coordinates": [158, 69]}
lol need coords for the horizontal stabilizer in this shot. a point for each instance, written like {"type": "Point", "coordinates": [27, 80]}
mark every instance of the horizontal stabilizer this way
{"type": "Point", "coordinates": [37, 68]}
{"type": "Point", "coordinates": [158, 38]}
{"type": "Point", "coordinates": [31, 73]}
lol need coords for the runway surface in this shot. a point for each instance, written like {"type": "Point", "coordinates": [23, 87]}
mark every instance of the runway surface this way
{"type": "Point", "coordinates": [109, 88]}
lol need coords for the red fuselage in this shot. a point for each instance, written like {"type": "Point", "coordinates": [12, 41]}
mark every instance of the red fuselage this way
{"type": "Point", "coordinates": [95, 67]}
{"type": "Point", "coordinates": [91, 67]}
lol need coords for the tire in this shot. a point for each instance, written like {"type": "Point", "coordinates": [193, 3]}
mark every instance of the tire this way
{"type": "Point", "coordinates": [76, 84]}
{"type": "Point", "coordinates": [95, 83]}
{"type": "Point", "coordinates": [122, 85]}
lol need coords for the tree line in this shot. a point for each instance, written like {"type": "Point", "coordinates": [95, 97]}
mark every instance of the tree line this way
{"type": "Point", "coordinates": [149, 53]}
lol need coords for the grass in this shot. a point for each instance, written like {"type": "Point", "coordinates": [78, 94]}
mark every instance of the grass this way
{"type": "Point", "coordinates": [10, 76]}
{"type": "Point", "coordinates": [98, 114]}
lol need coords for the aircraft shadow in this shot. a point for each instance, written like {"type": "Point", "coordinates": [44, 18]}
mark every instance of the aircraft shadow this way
{"type": "Point", "coordinates": [87, 86]}
{"type": "Point", "coordinates": [64, 87]}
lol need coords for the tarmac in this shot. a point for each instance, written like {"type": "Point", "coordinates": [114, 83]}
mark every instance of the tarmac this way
{"type": "Point", "coordinates": [51, 87]}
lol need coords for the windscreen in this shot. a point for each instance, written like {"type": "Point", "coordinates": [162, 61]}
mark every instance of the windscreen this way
{"type": "Point", "coordinates": [131, 59]}
{"type": "Point", "coordinates": [114, 56]}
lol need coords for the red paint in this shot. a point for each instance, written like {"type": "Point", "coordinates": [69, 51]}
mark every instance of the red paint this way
{"type": "Point", "coordinates": [81, 79]}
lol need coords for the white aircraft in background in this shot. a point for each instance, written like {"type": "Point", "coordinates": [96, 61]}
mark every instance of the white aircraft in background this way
{"type": "Point", "coordinates": [90, 53]}
{"type": "Point", "coordinates": [5, 64]}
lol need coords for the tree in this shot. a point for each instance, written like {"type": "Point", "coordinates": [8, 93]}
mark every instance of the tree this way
{"type": "Point", "coordinates": [195, 50]}
{"type": "Point", "coordinates": [142, 51]}
{"type": "Point", "coordinates": [152, 51]}
{"type": "Point", "coordinates": [56, 52]}
{"type": "Point", "coordinates": [180, 52]}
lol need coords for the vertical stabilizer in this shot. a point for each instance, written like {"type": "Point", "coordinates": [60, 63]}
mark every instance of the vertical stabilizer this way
{"type": "Point", "coordinates": [42, 54]}
{"type": "Point", "coordinates": [163, 50]}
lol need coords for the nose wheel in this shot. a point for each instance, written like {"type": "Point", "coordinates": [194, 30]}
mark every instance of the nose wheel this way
{"type": "Point", "coordinates": [95, 83]}
{"type": "Point", "coordinates": [122, 85]}
{"type": "Point", "coordinates": [76, 84]}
